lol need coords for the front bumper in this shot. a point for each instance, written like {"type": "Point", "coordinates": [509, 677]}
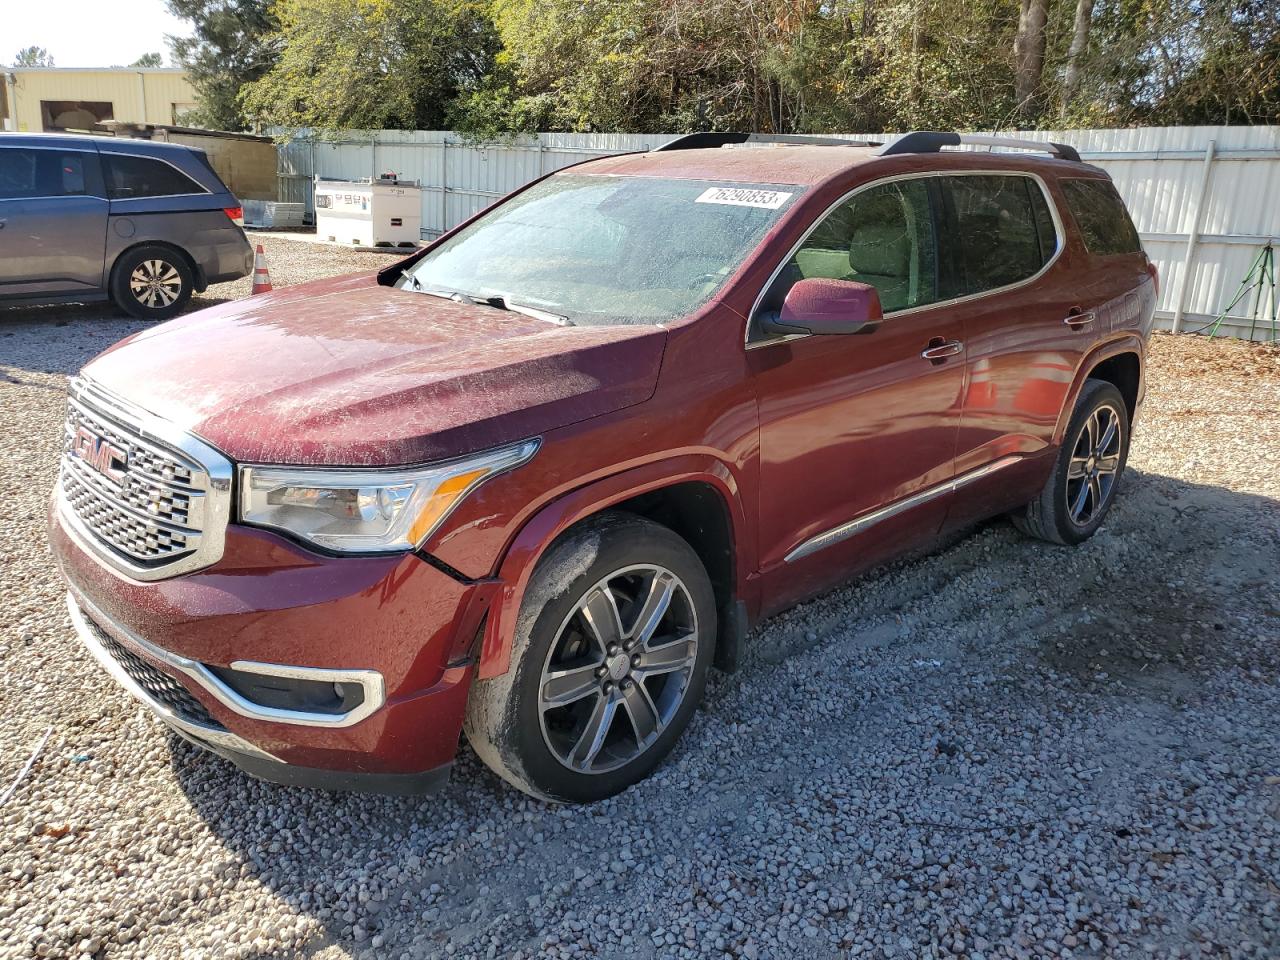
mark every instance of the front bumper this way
{"type": "Point", "coordinates": [397, 622]}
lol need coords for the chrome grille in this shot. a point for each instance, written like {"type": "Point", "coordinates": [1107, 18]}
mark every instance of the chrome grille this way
{"type": "Point", "coordinates": [162, 506]}
{"type": "Point", "coordinates": [123, 530]}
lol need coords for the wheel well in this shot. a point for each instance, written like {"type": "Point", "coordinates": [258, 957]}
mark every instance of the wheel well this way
{"type": "Point", "coordinates": [197, 274]}
{"type": "Point", "coordinates": [697, 512]}
{"type": "Point", "coordinates": [1124, 371]}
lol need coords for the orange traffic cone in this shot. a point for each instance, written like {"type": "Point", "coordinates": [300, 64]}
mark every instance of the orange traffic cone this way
{"type": "Point", "coordinates": [261, 278]}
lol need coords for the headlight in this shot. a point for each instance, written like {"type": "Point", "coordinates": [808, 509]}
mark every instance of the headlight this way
{"type": "Point", "coordinates": [362, 511]}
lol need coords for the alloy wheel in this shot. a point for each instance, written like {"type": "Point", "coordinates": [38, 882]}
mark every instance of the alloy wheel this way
{"type": "Point", "coordinates": [155, 283]}
{"type": "Point", "coordinates": [618, 669]}
{"type": "Point", "coordinates": [1094, 466]}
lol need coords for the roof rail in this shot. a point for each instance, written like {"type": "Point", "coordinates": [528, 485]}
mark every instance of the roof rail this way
{"type": "Point", "coordinates": [698, 141]}
{"type": "Point", "coordinates": [927, 141]}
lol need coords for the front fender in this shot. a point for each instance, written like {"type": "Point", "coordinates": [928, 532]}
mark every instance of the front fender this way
{"type": "Point", "coordinates": [541, 530]}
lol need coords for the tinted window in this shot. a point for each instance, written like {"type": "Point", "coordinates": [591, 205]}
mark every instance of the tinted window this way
{"type": "Point", "coordinates": [1099, 212]}
{"type": "Point", "coordinates": [72, 173]}
{"type": "Point", "coordinates": [883, 237]}
{"type": "Point", "coordinates": [1003, 232]}
{"type": "Point", "coordinates": [41, 173]}
{"type": "Point", "coordinates": [132, 177]}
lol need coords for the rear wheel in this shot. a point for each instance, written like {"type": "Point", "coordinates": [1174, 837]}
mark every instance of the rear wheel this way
{"type": "Point", "coordinates": [1079, 493]}
{"type": "Point", "coordinates": [610, 659]}
{"type": "Point", "coordinates": [151, 282]}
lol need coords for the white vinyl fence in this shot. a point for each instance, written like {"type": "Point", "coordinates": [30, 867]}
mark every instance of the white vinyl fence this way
{"type": "Point", "coordinates": [1205, 199]}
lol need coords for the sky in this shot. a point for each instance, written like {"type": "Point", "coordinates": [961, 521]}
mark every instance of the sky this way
{"type": "Point", "coordinates": [88, 33]}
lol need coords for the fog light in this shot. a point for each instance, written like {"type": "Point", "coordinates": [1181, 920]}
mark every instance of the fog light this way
{"type": "Point", "coordinates": [292, 693]}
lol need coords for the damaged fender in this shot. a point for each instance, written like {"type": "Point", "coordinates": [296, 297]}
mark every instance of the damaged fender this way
{"type": "Point", "coordinates": [537, 535]}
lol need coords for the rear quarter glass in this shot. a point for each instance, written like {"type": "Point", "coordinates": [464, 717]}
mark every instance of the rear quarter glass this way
{"type": "Point", "coordinates": [132, 177]}
{"type": "Point", "coordinates": [1105, 225]}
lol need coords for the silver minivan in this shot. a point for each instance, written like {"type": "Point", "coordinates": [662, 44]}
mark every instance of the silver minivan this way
{"type": "Point", "coordinates": [141, 223]}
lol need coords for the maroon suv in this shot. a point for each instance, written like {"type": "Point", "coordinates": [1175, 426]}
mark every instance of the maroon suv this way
{"type": "Point", "coordinates": [532, 482]}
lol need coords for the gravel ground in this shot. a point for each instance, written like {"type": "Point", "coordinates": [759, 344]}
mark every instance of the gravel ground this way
{"type": "Point", "coordinates": [1005, 749]}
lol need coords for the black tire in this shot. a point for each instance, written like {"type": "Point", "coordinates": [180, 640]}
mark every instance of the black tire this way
{"type": "Point", "coordinates": [530, 744]}
{"type": "Point", "coordinates": [1053, 516]}
{"type": "Point", "coordinates": [151, 282]}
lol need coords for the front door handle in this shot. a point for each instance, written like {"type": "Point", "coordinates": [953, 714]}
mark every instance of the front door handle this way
{"type": "Point", "coordinates": [939, 349]}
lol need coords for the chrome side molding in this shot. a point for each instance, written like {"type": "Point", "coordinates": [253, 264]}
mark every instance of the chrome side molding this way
{"type": "Point", "coordinates": [867, 520]}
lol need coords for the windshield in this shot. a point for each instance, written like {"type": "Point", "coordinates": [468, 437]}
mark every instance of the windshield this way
{"type": "Point", "coordinates": [605, 249]}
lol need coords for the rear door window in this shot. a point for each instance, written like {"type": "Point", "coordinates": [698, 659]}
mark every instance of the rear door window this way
{"type": "Point", "coordinates": [1003, 232]}
{"type": "Point", "coordinates": [72, 173]}
{"type": "Point", "coordinates": [26, 174]}
{"type": "Point", "coordinates": [883, 237]}
{"type": "Point", "coordinates": [1101, 215]}
{"type": "Point", "coordinates": [129, 178]}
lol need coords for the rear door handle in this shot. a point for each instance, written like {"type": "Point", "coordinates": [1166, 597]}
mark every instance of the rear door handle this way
{"type": "Point", "coordinates": [1078, 318]}
{"type": "Point", "coordinates": [939, 349]}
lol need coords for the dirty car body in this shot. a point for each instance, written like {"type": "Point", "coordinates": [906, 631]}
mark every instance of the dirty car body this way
{"type": "Point", "coordinates": [455, 420]}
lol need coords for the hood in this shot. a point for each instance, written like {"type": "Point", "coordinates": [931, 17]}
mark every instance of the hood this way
{"type": "Point", "coordinates": [346, 372]}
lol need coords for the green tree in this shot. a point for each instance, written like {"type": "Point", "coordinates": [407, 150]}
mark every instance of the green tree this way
{"type": "Point", "coordinates": [870, 65]}
{"type": "Point", "coordinates": [1168, 62]}
{"type": "Point", "coordinates": [33, 57]}
{"type": "Point", "coordinates": [148, 60]}
{"type": "Point", "coordinates": [641, 65]}
{"type": "Point", "coordinates": [232, 46]}
{"type": "Point", "coordinates": [370, 64]}
{"type": "Point", "coordinates": [768, 65]}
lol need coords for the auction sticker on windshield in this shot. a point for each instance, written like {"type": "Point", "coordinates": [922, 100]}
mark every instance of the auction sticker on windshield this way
{"type": "Point", "coordinates": [744, 197]}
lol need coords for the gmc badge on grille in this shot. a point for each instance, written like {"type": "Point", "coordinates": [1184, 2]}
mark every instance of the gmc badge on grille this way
{"type": "Point", "coordinates": [108, 459]}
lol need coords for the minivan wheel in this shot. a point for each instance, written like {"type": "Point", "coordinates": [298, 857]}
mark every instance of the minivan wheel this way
{"type": "Point", "coordinates": [612, 647]}
{"type": "Point", "coordinates": [1079, 493]}
{"type": "Point", "coordinates": [151, 282]}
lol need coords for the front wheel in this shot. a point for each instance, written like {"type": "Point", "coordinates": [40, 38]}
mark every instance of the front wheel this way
{"type": "Point", "coordinates": [1079, 493]}
{"type": "Point", "coordinates": [612, 647]}
{"type": "Point", "coordinates": [151, 282]}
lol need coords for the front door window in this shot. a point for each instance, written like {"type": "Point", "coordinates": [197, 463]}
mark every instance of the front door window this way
{"type": "Point", "coordinates": [883, 237]}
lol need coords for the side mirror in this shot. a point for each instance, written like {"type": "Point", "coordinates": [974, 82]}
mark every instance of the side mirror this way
{"type": "Point", "coordinates": [820, 306]}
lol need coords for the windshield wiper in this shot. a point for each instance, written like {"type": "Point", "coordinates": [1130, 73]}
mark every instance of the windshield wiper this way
{"type": "Point", "coordinates": [503, 302]}
{"type": "Point", "coordinates": [499, 301]}
{"type": "Point", "coordinates": [417, 287]}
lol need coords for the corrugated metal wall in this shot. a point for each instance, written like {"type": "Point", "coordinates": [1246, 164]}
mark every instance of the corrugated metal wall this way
{"type": "Point", "coordinates": [1204, 214]}
{"type": "Point", "coordinates": [458, 178]}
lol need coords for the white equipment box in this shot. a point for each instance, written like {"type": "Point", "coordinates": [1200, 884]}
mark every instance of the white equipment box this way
{"type": "Point", "coordinates": [370, 213]}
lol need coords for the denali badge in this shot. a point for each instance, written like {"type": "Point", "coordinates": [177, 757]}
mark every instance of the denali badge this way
{"type": "Point", "coordinates": [108, 459]}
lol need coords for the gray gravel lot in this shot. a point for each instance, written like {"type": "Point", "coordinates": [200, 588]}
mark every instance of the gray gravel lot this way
{"type": "Point", "coordinates": [1005, 749]}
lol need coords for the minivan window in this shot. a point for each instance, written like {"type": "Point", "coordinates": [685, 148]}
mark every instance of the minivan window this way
{"type": "Point", "coordinates": [883, 237]}
{"type": "Point", "coordinates": [1003, 231]}
{"type": "Point", "coordinates": [131, 177]}
{"type": "Point", "coordinates": [606, 249]}
{"type": "Point", "coordinates": [41, 173]}
{"type": "Point", "coordinates": [1101, 215]}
